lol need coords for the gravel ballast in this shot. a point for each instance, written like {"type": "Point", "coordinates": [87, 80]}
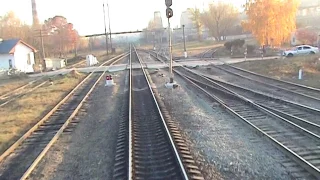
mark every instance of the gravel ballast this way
{"type": "Point", "coordinates": [214, 72]}
{"type": "Point", "coordinates": [88, 151]}
{"type": "Point", "coordinates": [232, 149]}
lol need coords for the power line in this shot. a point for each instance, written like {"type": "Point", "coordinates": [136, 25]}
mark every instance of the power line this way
{"type": "Point", "coordinates": [127, 32]}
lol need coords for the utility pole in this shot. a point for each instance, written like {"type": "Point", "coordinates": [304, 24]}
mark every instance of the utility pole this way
{"type": "Point", "coordinates": [41, 35]}
{"type": "Point", "coordinates": [105, 29]}
{"type": "Point", "coordinates": [109, 26]}
{"type": "Point", "coordinates": [42, 45]}
{"type": "Point", "coordinates": [184, 43]}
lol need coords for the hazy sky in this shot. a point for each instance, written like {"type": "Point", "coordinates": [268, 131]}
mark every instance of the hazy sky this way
{"type": "Point", "coordinates": [87, 15]}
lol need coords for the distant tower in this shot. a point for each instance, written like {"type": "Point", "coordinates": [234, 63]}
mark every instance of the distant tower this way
{"type": "Point", "coordinates": [34, 13]}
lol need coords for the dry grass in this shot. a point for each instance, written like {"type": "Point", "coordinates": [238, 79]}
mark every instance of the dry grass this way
{"type": "Point", "coordinates": [18, 116]}
{"type": "Point", "coordinates": [8, 85]}
{"type": "Point", "coordinates": [194, 48]}
{"type": "Point", "coordinates": [287, 69]}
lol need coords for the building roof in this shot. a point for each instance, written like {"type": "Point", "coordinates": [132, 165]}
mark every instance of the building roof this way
{"type": "Point", "coordinates": [8, 46]}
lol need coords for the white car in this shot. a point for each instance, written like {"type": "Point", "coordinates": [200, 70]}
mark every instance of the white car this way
{"type": "Point", "coordinates": [301, 50]}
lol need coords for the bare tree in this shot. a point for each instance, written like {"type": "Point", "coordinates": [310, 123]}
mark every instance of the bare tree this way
{"type": "Point", "coordinates": [196, 19]}
{"type": "Point", "coordinates": [219, 18]}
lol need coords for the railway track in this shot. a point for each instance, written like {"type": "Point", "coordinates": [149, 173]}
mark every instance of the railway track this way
{"type": "Point", "coordinates": [148, 145]}
{"type": "Point", "coordinates": [22, 157]}
{"type": "Point", "coordinates": [301, 115]}
{"type": "Point", "coordinates": [17, 90]}
{"type": "Point", "coordinates": [295, 141]}
{"type": "Point", "coordinates": [33, 85]}
{"type": "Point", "coordinates": [23, 90]}
{"type": "Point", "coordinates": [309, 93]}
{"type": "Point", "coordinates": [208, 53]}
{"type": "Point", "coordinates": [290, 135]}
{"type": "Point", "coordinates": [78, 64]}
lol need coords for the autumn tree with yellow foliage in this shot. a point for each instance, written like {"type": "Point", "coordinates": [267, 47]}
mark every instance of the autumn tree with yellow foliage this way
{"type": "Point", "coordinates": [271, 21]}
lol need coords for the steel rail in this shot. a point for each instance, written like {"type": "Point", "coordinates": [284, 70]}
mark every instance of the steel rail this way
{"type": "Point", "coordinates": [130, 164]}
{"type": "Point", "coordinates": [300, 106]}
{"type": "Point", "coordinates": [294, 125]}
{"type": "Point", "coordinates": [297, 158]}
{"type": "Point", "coordinates": [282, 81]}
{"type": "Point", "coordinates": [211, 51]}
{"type": "Point", "coordinates": [113, 60]}
{"type": "Point", "coordinates": [277, 100]}
{"type": "Point", "coordinates": [17, 143]}
{"type": "Point", "coordinates": [65, 125]}
{"type": "Point", "coordinates": [19, 95]}
{"type": "Point", "coordinates": [293, 155]}
{"type": "Point", "coordinates": [182, 168]}
{"type": "Point", "coordinates": [271, 85]}
{"type": "Point", "coordinates": [18, 89]}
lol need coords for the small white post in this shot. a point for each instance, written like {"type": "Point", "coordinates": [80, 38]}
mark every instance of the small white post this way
{"type": "Point", "coordinates": [245, 54]}
{"type": "Point", "coordinates": [185, 54]}
{"type": "Point", "coordinates": [300, 74]}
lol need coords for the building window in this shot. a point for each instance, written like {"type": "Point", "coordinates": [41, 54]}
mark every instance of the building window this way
{"type": "Point", "coordinates": [10, 64]}
{"type": "Point", "coordinates": [28, 59]}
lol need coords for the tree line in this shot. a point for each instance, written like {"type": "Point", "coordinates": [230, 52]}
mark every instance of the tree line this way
{"type": "Point", "coordinates": [271, 22]}
{"type": "Point", "coordinates": [59, 36]}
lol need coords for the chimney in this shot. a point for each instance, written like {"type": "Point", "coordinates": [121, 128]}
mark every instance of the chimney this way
{"type": "Point", "coordinates": [34, 13]}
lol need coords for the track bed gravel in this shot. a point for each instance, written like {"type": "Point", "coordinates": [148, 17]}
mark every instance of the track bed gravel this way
{"type": "Point", "coordinates": [87, 150]}
{"type": "Point", "coordinates": [229, 148]}
{"type": "Point", "coordinates": [216, 73]}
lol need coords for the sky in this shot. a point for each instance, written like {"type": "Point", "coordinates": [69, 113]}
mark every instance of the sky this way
{"type": "Point", "coordinates": [87, 15]}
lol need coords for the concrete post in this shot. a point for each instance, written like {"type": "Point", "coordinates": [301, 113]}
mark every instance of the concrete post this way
{"type": "Point", "coordinates": [184, 42]}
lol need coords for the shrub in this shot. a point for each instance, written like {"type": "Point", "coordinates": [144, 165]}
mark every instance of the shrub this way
{"type": "Point", "coordinates": [250, 48]}
{"type": "Point", "coordinates": [228, 45]}
{"type": "Point", "coordinates": [237, 43]}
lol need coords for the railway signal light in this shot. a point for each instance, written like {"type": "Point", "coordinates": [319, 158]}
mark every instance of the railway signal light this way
{"type": "Point", "coordinates": [169, 12]}
{"type": "Point", "coordinates": [168, 3]}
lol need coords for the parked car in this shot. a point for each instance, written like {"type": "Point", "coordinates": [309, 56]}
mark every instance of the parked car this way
{"type": "Point", "coordinates": [301, 50]}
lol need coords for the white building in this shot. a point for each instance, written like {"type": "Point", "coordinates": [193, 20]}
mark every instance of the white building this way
{"type": "Point", "coordinates": [91, 60]}
{"type": "Point", "coordinates": [16, 54]}
{"type": "Point", "coordinates": [157, 19]}
{"type": "Point", "coordinates": [54, 63]}
{"type": "Point", "coordinates": [186, 19]}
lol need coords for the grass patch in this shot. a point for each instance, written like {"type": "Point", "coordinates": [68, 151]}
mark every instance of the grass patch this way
{"type": "Point", "coordinates": [287, 69]}
{"type": "Point", "coordinates": [195, 47]}
{"type": "Point", "coordinates": [7, 85]}
{"type": "Point", "coordinates": [20, 115]}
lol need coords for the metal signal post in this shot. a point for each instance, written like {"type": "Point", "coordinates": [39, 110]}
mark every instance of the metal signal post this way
{"type": "Point", "coordinates": [169, 14]}
{"type": "Point", "coordinates": [170, 51]}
